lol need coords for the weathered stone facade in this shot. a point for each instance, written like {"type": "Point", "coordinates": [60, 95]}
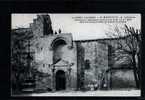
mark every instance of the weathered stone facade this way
{"type": "Point", "coordinates": [65, 64]}
{"type": "Point", "coordinates": [57, 53]}
{"type": "Point", "coordinates": [96, 54]}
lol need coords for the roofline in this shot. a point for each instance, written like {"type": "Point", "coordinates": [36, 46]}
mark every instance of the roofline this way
{"type": "Point", "coordinates": [20, 28]}
{"type": "Point", "coordinates": [80, 40]}
{"type": "Point", "coordinates": [90, 40]}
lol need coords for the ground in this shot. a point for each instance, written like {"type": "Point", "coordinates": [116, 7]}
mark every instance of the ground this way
{"type": "Point", "coordinates": [127, 93]}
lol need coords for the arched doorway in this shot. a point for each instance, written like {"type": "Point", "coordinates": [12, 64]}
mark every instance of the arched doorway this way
{"type": "Point", "coordinates": [60, 80]}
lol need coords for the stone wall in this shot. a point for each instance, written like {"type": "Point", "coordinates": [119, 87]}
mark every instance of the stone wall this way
{"type": "Point", "coordinates": [80, 66]}
{"type": "Point", "coordinates": [122, 79]}
{"type": "Point", "coordinates": [43, 57]}
{"type": "Point", "coordinates": [37, 27]}
{"type": "Point", "coordinates": [97, 54]}
{"type": "Point", "coordinates": [41, 26]}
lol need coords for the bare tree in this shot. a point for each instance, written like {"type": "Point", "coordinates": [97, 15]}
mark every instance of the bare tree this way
{"type": "Point", "coordinates": [128, 48]}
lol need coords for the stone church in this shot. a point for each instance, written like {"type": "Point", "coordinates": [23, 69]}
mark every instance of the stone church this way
{"type": "Point", "coordinates": [63, 58]}
{"type": "Point", "coordinates": [67, 64]}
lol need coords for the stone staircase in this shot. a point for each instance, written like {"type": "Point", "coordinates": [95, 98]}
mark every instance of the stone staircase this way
{"type": "Point", "coordinates": [28, 86]}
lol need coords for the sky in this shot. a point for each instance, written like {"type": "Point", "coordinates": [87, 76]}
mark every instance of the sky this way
{"type": "Point", "coordinates": [82, 26]}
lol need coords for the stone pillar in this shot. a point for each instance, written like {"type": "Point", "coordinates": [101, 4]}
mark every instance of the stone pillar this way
{"type": "Point", "coordinates": [53, 78]}
{"type": "Point", "coordinates": [69, 77]}
{"type": "Point", "coordinates": [67, 80]}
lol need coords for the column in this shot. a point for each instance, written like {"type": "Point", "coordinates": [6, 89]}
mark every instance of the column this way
{"type": "Point", "coordinates": [69, 77]}
{"type": "Point", "coordinates": [53, 79]}
{"type": "Point", "coordinates": [67, 80]}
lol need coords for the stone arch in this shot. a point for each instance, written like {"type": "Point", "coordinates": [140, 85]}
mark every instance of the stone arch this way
{"type": "Point", "coordinates": [57, 46]}
{"type": "Point", "coordinates": [58, 40]}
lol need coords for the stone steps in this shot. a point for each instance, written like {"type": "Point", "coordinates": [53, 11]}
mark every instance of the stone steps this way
{"type": "Point", "coordinates": [28, 86]}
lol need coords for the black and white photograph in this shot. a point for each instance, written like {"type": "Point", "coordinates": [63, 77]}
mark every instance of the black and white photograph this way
{"type": "Point", "coordinates": [75, 54]}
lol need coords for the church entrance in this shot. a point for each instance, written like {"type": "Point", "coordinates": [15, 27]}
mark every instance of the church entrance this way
{"type": "Point", "coordinates": [60, 80]}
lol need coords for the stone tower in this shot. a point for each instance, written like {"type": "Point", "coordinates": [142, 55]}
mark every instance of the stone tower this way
{"type": "Point", "coordinates": [41, 26]}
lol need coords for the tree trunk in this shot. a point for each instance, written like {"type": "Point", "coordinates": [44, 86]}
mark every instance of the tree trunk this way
{"type": "Point", "coordinates": [139, 69]}
{"type": "Point", "coordinates": [139, 65]}
{"type": "Point", "coordinates": [139, 61]}
{"type": "Point", "coordinates": [135, 72]}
